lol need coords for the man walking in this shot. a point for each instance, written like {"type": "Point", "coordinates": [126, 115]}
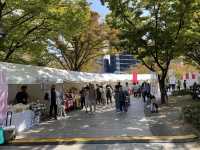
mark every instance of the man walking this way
{"type": "Point", "coordinates": [108, 94]}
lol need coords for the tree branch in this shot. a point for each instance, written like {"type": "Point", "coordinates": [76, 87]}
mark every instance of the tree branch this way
{"type": "Point", "coordinates": [149, 67]}
{"type": "Point", "coordinates": [20, 42]}
{"type": "Point", "coordinates": [18, 24]}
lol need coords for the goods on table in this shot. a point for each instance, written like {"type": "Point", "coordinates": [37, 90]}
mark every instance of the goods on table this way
{"type": "Point", "coordinates": [18, 108]}
{"type": "Point", "coordinates": [39, 110]}
{"type": "Point", "coordinates": [68, 102]}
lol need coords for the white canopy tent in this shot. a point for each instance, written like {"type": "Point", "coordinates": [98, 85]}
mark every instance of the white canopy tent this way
{"type": "Point", "coordinates": [27, 74]}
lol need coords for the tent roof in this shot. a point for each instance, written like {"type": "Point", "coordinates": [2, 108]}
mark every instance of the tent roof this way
{"type": "Point", "coordinates": [27, 74]}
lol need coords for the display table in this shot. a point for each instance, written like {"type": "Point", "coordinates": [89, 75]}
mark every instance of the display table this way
{"type": "Point", "coordinates": [23, 120]}
{"type": "Point", "coordinates": [69, 104]}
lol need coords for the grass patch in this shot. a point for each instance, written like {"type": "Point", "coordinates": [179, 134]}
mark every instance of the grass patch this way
{"type": "Point", "coordinates": [181, 93]}
{"type": "Point", "coordinates": [192, 114]}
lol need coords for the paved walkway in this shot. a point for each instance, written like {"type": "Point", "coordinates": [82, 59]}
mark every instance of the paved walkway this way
{"type": "Point", "coordinates": [107, 123]}
{"type": "Point", "coordinates": [116, 146]}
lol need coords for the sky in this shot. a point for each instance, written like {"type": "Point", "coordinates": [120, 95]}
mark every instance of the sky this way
{"type": "Point", "coordinates": [98, 7]}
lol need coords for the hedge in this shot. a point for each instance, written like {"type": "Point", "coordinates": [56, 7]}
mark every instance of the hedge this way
{"type": "Point", "coordinates": [192, 114]}
{"type": "Point", "coordinates": [181, 93]}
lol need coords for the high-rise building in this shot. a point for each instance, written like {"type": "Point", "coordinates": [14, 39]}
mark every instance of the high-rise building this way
{"type": "Point", "coordinates": [118, 63]}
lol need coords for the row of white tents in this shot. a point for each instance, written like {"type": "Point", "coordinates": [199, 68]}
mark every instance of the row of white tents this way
{"type": "Point", "coordinates": [39, 79]}
{"type": "Point", "coordinates": [27, 74]}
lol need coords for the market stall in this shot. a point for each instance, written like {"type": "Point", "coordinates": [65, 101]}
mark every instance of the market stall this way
{"type": "Point", "coordinates": [26, 116]}
{"type": "Point", "coordinates": [39, 81]}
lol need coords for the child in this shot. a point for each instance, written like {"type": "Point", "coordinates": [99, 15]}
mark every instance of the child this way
{"type": "Point", "coordinates": [154, 105]}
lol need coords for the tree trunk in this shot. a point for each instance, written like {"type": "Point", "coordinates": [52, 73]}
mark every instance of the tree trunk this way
{"type": "Point", "coordinates": [162, 89]}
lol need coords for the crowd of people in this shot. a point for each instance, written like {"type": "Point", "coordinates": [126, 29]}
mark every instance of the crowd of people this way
{"type": "Point", "coordinates": [91, 96]}
{"type": "Point", "coordinates": [178, 85]}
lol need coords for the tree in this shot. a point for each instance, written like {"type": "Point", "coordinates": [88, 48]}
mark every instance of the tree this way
{"type": "Point", "coordinates": [79, 49]}
{"type": "Point", "coordinates": [139, 68]}
{"type": "Point", "coordinates": [26, 25]}
{"type": "Point", "coordinates": [29, 24]}
{"type": "Point", "coordinates": [192, 39]}
{"type": "Point", "coordinates": [193, 55]}
{"type": "Point", "coordinates": [152, 30]}
{"type": "Point", "coordinates": [181, 69]}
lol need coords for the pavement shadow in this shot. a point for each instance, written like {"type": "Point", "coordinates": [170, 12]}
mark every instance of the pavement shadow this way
{"type": "Point", "coordinates": [169, 121]}
{"type": "Point", "coordinates": [105, 122]}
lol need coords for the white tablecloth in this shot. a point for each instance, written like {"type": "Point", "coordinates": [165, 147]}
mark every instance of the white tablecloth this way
{"type": "Point", "coordinates": [23, 120]}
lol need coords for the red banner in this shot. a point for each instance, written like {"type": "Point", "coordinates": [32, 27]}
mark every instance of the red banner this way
{"type": "Point", "coordinates": [134, 77]}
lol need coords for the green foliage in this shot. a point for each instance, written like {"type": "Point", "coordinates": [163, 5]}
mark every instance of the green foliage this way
{"type": "Point", "coordinates": [181, 93]}
{"type": "Point", "coordinates": [29, 24]}
{"type": "Point", "coordinates": [70, 17]}
{"type": "Point", "coordinates": [26, 25]}
{"type": "Point", "coordinates": [192, 114]}
{"type": "Point", "coordinates": [191, 38]}
{"type": "Point", "coordinates": [153, 30]}
{"type": "Point", "coordinates": [80, 48]}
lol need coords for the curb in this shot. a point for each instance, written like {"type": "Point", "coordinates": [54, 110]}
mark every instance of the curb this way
{"type": "Point", "coordinates": [104, 140]}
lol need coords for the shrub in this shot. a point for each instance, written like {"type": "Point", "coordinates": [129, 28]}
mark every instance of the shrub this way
{"type": "Point", "coordinates": [192, 114]}
{"type": "Point", "coordinates": [181, 93]}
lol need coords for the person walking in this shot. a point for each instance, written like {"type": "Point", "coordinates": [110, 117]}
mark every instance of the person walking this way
{"type": "Point", "coordinates": [126, 92]}
{"type": "Point", "coordinates": [108, 94]}
{"type": "Point", "coordinates": [116, 96]}
{"type": "Point", "coordinates": [87, 98]}
{"type": "Point", "coordinates": [148, 94]}
{"type": "Point", "coordinates": [98, 92]}
{"type": "Point", "coordinates": [92, 98]}
{"type": "Point", "coordinates": [82, 97]}
{"type": "Point", "coordinates": [185, 85]}
{"type": "Point", "coordinates": [122, 99]}
{"type": "Point", "coordinates": [103, 95]}
{"type": "Point", "coordinates": [134, 90]}
{"type": "Point", "coordinates": [179, 85]}
{"type": "Point", "coordinates": [144, 91]}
